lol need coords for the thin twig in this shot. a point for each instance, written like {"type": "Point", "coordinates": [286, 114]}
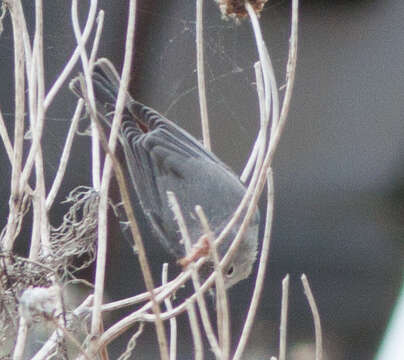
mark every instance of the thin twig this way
{"type": "Point", "coordinates": [65, 156]}
{"type": "Point", "coordinates": [50, 345]}
{"type": "Point", "coordinates": [21, 339]}
{"type": "Point", "coordinates": [26, 38]}
{"type": "Point", "coordinates": [74, 123]}
{"type": "Point", "coordinates": [271, 88]}
{"type": "Point", "coordinates": [72, 339]}
{"type": "Point", "coordinates": [111, 333]}
{"type": "Point", "coordinates": [142, 315]}
{"type": "Point", "coordinates": [100, 270]}
{"type": "Point", "coordinates": [276, 133]}
{"type": "Point", "coordinates": [119, 304]}
{"type": "Point", "coordinates": [5, 138]}
{"type": "Point", "coordinates": [251, 197]}
{"type": "Point", "coordinates": [37, 125]}
{"type": "Point", "coordinates": [201, 75]}
{"type": "Point", "coordinates": [125, 323]}
{"type": "Point", "coordinates": [260, 143]}
{"type": "Point", "coordinates": [95, 146]}
{"type": "Point", "coordinates": [223, 317]}
{"type": "Point", "coordinates": [316, 317]}
{"type": "Point", "coordinates": [173, 321]}
{"type": "Point", "coordinates": [97, 38]}
{"type": "Point", "coordinates": [254, 189]}
{"type": "Point", "coordinates": [259, 282]}
{"type": "Point", "coordinates": [61, 325]}
{"type": "Point", "coordinates": [290, 77]}
{"type": "Point", "coordinates": [250, 162]}
{"type": "Point", "coordinates": [196, 333]}
{"type": "Point", "coordinates": [19, 79]}
{"type": "Point", "coordinates": [284, 318]}
{"type": "Point", "coordinates": [32, 104]}
{"type": "Point", "coordinates": [132, 343]}
{"type": "Point", "coordinates": [195, 278]}
{"type": "Point", "coordinates": [36, 88]}
{"type": "Point", "coordinates": [75, 56]}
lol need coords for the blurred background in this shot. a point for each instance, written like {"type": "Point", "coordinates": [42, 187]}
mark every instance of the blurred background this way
{"type": "Point", "coordinates": [339, 170]}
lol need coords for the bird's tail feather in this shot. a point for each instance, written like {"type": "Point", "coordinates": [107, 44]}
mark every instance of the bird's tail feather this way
{"type": "Point", "coordinates": [105, 84]}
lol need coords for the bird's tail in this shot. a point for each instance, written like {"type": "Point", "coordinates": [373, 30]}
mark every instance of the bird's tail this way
{"type": "Point", "coordinates": [105, 81]}
{"type": "Point", "coordinates": [106, 86]}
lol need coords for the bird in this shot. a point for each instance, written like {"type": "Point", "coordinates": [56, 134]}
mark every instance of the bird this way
{"type": "Point", "coordinates": [159, 157]}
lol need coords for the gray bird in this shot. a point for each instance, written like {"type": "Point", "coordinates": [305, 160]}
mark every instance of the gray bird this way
{"type": "Point", "coordinates": [159, 157]}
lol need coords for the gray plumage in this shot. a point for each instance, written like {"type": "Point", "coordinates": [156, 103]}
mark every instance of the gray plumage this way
{"type": "Point", "coordinates": [161, 157]}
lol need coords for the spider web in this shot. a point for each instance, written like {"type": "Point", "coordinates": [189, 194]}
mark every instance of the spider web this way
{"type": "Point", "coordinates": [166, 77]}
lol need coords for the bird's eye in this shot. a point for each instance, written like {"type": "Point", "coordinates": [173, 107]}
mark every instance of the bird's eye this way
{"type": "Point", "coordinates": [230, 271]}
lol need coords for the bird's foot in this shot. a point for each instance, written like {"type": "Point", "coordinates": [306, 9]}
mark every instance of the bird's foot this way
{"type": "Point", "coordinates": [200, 249]}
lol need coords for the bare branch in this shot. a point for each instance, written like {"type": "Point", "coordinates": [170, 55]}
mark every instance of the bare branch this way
{"type": "Point", "coordinates": [132, 343]}
{"type": "Point", "coordinates": [222, 304]}
{"type": "Point", "coordinates": [259, 282]}
{"type": "Point", "coordinates": [21, 339]}
{"type": "Point", "coordinates": [316, 317]}
{"type": "Point", "coordinates": [100, 271]}
{"type": "Point", "coordinates": [201, 75]}
{"type": "Point", "coordinates": [260, 142]}
{"type": "Point", "coordinates": [50, 345]}
{"type": "Point", "coordinates": [97, 38]}
{"type": "Point", "coordinates": [173, 321]}
{"type": "Point", "coordinates": [6, 138]}
{"type": "Point", "coordinates": [19, 78]}
{"type": "Point", "coordinates": [36, 91]}
{"type": "Point", "coordinates": [65, 156]}
{"type": "Point", "coordinates": [284, 318]}
{"type": "Point", "coordinates": [195, 278]}
{"type": "Point", "coordinates": [75, 56]}
{"type": "Point", "coordinates": [95, 147]}
{"type": "Point", "coordinates": [196, 333]}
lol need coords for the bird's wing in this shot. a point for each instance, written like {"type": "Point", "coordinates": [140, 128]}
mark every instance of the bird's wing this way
{"type": "Point", "coordinates": [151, 157]}
{"type": "Point", "coordinates": [153, 121]}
